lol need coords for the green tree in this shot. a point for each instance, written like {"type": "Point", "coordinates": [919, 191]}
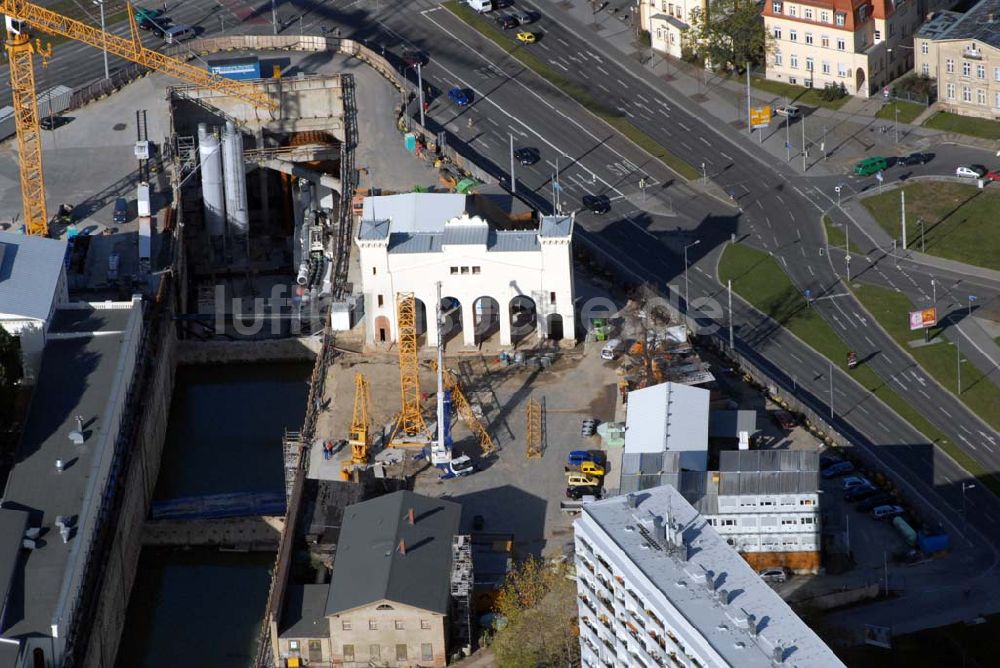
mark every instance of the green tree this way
{"type": "Point", "coordinates": [729, 34]}
{"type": "Point", "coordinates": [538, 603]}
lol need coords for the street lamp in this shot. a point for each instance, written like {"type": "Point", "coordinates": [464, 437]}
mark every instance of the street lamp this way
{"type": "Point", "coordinates": [965, 518]}
{"type": "Point", "coordinates": [920, 222]}
{"type": "Point", "coordinates": [895, 123]}
{"type": "Point", "coordinates": [104, 37]}
{"type": "Point", "coordinates": [687, 300]}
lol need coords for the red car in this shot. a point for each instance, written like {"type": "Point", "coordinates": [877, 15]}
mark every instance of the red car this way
{"type": "Point", "coordinates": [784, 419]}
{"type": "Point", "coordinates": [993, 175]}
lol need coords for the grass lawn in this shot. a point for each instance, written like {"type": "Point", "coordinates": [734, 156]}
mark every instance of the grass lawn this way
{"type": "Point", "coordinates": [977, 127]}
{"type": "Point", "coordinates": [907, 111]}
{"type": "Point", "coordinates": [960, 220]}
{"type": "Point", "coordinates": [759, 280]}
{"type": "Point", "coordinates": [611, 116]}
{"type": "Point", "coordinates": [798, 94]}
{"type": "Point", "coordinates": [980, 394]}
{"type": "Point", "coordinates": [835, 235]}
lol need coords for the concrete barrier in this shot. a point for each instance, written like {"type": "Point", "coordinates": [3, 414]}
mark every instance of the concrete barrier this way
{"type": "Point", "coordinates": [250, 533]}
{"type": "Point", "coordinates": [269, 350]}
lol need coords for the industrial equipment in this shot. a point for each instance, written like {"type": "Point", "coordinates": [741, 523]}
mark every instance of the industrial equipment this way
{"type": "Point", "coordinates": [410, 425]}
{"type": "Point", "coordinates": [486, 444]}
{"type": "Point", "coordinates": [19, 15]}
{"type": "Point", "coordinates": [534, 428]}
{"type": "Point", "coordinates": [358, 437]}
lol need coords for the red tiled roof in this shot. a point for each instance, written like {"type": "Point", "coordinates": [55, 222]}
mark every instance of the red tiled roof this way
{"type": "Point", "coordinates": [880, 9]}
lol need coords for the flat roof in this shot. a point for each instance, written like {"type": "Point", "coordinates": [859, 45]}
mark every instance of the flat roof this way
{"type": "Point", "coordinates": [304, 615]}
{"type": "Point", "coordinates": [78, 371]}
{"type": "Point", "coordinates": [704, 578]}
{"type": "Point", "coordinates": [12, 526]}
{"type": "Point", "coordinates": [729, 424]}
{"type": "Point", "coordinates": [667, 417]}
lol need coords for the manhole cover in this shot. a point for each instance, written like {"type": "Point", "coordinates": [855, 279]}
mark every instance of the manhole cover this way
{"type": "Point", "coordinates": [118, 127]}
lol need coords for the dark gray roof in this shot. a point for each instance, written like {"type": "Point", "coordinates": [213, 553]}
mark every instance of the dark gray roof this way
{"type": "Point", "coordinates": [304, 615]}
{"type": "Point", "coordinates": [369, 565]}
{"type": "Point", "coordinates": [12, 526]}
{"type": "Point", "coordinates": [769, 460]}
{"type": "Point", "coordinates": [981, 23]}
{"type": "Point", "coordinates": [555, 226]}
{"type": "Point", "coordinates": [497, 241]}
{"type": "Point", "coordinates": [735, 483]}
{"type": "Point", "coordinates": [29, 273]}
{"type": "Point", "coordinates": [729, 424]}
{"type": "Point", "coordinates": [77, 377]}
{"type": "Point", "coordinates": [373, 230]}
{"type": "Point", "coordinates": [698, 487]}
{"type": "Point", "coordinates": [936, 26]}
{"type": "Point", "coordinates": [672, 20]}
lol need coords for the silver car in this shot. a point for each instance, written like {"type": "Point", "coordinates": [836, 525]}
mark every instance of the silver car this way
{"type": "Point", "coordinates": [970, 171]}
{"type": "Point", "coordinates": [779, 574]}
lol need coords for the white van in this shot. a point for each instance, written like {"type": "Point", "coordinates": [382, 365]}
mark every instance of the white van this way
{"type": "Point", "coordinates": [177, 33]}
{"type": "Point", "coordinates": [481, 6]}
{"type": "Point", "coordinates": [612, 349]}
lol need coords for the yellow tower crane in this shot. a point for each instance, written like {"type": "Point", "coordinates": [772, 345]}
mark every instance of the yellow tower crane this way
{"type": "Point", "coordinates": [359, 437]}
{"type": "Point", "coordinates": [410, 423]}
{"type": "Point", "coordinates": [486, 444]}
{"type": "Point", "coordinates": [19, 15]}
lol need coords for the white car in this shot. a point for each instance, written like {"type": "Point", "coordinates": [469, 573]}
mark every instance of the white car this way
{"type": "Point", "coordinates": [789, 110]}
{"type": "Point", "coordinates": [777, 574]}
{"type": "Point", "coordinates": [970, 171]}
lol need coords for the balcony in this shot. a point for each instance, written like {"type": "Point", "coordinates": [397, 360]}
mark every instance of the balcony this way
{"type": "Point", "coordinates": [972, 54]}
{"type": "Point", "coordinates": [587, 602]}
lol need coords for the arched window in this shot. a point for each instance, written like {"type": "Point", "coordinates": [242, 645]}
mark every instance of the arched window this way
{"type": "Point", "coordinates": [385, 607]}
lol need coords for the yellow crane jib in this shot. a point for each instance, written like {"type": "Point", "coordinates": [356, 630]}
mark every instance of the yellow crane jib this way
{"type": "Point", "coordinates": [410, 422]}
{"type": "Point", "coordinates": [358, 436]}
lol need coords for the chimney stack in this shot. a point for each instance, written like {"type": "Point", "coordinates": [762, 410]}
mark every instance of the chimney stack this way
{"type": "Point", "coordinates": [402, 547]}
{"type": "Point", "coordinates": [411, 517]}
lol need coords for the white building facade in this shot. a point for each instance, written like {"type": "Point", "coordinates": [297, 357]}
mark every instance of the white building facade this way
{"type": "Point", "coordinates": [657, 586]}
{"type": "Point", "coordinates": [667, 21]}
{"type": "Point", "coordinates": [516, 283]}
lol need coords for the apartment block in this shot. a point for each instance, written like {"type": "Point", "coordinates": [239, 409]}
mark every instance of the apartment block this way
{"type": "Point", "coordinates": [657, 585]}
{"type": "Point", "coordinates": [667, 21]}
{"type": "Point", "coordinates": [862, 44]}
{"type": "Point", "coordinates": [962, 52]}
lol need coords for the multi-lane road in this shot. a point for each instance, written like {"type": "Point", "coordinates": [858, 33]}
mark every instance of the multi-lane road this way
{"type": "Point", "coordinates": [776, 209]}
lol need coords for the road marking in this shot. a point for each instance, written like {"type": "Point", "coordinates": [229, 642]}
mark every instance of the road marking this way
{"type": "Point", "coordinates": [603, 71]}
{"type": "Point", "coordinates": [965, 429]}
{"type": "Point", "coordinates": [796, 358]}
{"type": "Point", "coordinates": [782, 257]}
{"type": "Point", "coordinates": [482, 141]}
{"type": "Point", "coordinates": [601, 86]}
{"type": "Point", "coordinates": [837, 320]}
{"type": "Point", "coordinates": [594, 56]}
{"type": "Point", "coordinates": [886, 429]}
{"type": "Point", "coordinates": [944, 411]}
{"type": "Point", "coordinates": [870, 342]}
{"type": "Point", "coordinates": [562, 41]}
{"type": "Point", "coordinates": [543, 45]}
{"type": "Point", "coordinates": [664, 113]}
{"type": "Point", "coordinates": [686, 128]}
{"type": "Point", "coordinates": [990, 517]}
{"type": "Point", "coordinates": [684, 144]}
{"type": "Point", "coordinates": [704, 141]}
{"type": "Point", "coordinates": [640, 96]}
{"type": "Point", "coordinates": [556, 62]}
{"type": "Point", "coordinates": [899, 382]}
{"type": "Point", "coordinates": [779, 198]}
{"type": "Point", "coordinates": [810, 268]}
{"type": "Point", "coordinates": [967, 442]}
{"type": "Point", "coordinates": [490, 119]}
{"type": "Point", "coordinates": [926, 396]}
{"type": "Point", "coordinates": [767, 220]}
{"type": "Point", "coordinates": [863, 409]}
{"type": "Point", "coordinates": [987, 436]}
{"type": "Point", "coordinates": [622, 84]}
{"type": "Point", "coordinates": [730, 159]}
{"type": "Point", "coordinates": [626, 112]}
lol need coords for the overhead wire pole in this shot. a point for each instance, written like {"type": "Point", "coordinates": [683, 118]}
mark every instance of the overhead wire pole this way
{"type": "Point", "coordinates": [420, 87]}
{"type": "Point", "coordinates": [274, 16]}
{"type": "Point", "coordinates": [805, 153]}
{"type": "Point", "coordinates": [513, 179]}
{"type": "Point", "coordinates": [730, 286]}
{"type": "Point", "coordinates": [831, 390]}
{"type": "Point", "coordinates": [100, 3]}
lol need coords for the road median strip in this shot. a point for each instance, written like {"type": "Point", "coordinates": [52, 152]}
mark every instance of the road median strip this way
{"type": "Point", "coordinates": [761, 282]}
{"type": "Point", "coordinates": [610, 116]}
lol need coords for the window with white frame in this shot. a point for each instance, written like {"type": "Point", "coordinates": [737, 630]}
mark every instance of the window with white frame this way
{"type": "Point", "coordinates": [826, 67]}
{"type": "Point", "coordinates": [981, 97]}
{"type": "Point", "coordinates": [776, 6]}
{"type": "Point", "coordinates": [777, 32]}
{"type": "Point", "coordinates": [809, 38]}
{"type": "Point", "coordinates": [949, 91]}
{"type": "Point", "coordinates": [949, 66]}
{"type": "Point", "coordinates": [777, 57]}
{"type": "Point", "coordinates": [809, 64]}
{"type": "Point", "coordinates": [824, 41]}
{"type": "Point", "coordinates": [878, 36]}
{"type": "Point", "coordinates": [807, 13]}
{"type": "Point", "coordinates": [840, 18]}
{"type": "Point", "coordinates": [980, 71]}
{"type": "Point", "coordinates": [996, 73]}
{"type": "Point", "coordinates": [793, 35]}
{"type": "Point", "coordinates": [824, 17]}
{"type": "Point", "coordinates": [841, 44]}
{"type": "Point", "coordinates": [966, 94]}
{"type": "Point", "coordinates": [966, 68]}
{"type": "Point", "coordinates": [793, 61]}
{"type": "Point", "coordinates": [925, 70]}
{"type": "Point", "coordinates": [996, 101]}
{"type": "Point", "coordinates": [792, 11]}
{"type": "Point", "coordinates": [841, 70]}
{"type": "Point", "coordinates": [924, 49]}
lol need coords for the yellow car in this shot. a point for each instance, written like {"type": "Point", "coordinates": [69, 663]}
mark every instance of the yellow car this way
{"type": "Point", "coordinates": [526, 37]}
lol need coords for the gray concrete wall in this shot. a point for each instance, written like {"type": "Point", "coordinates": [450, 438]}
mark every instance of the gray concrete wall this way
{"type": "Point", "coordinates": [252, 533]}
{"type": "Point", "coordinates": [270, 350]}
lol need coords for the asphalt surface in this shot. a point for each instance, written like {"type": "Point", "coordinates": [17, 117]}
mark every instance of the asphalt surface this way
{"type": "Point", "coordinates": [776, 210]}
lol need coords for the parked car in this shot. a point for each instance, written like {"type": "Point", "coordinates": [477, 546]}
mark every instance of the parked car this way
{"type": "Point", "coordinates": [993, 175]}
{"type": "Point", "coordinates": [577, 457]}
{"type": "Point", "coordinates": [577, 493]}
{"type": "Point", "coordinates": [587, 468]}
{"type": "Point", "coordinates": [527, 155]}
{"type": "Point", "coordinates": [788, 110]}
{"type": "Point", "coordinates": [917, 159]}
{"type": "Point", "coordinates": [413, 58]}
{"type": "Point", "coordinates": [526, 37]}
{"type": "Point", "coordinates": [887, 512]}
{"type": "Point", "coordinates": [506, 21]}
{"type": "Point", "coordinates": [837, 470]}
{"type": "Point", "coordinates": [779, 574]}
{"type": "Point", "coordinates": [599, 457]}
{"type": "Point", "coordinates": [581, 480]}
{"type": "Point", "coordinates": [859, 492]}
{"type": "Point", "coordinates": [784, 419]}
{"type": "Point", "coordinates": [853, 481]}
{"type": "Point", "coordinates": [120, 214]}
{"type": "Point", "coordinates": [598, 204]}
{"type": "Point", "coordinates": [871, 165]}
{"type": "Point", "coordinates": [876, 500]}
{"type": "Point", "coordinates": [460, 96]}
{"type": "Point", "coordinates": [524, 17]}
{"type": "Point", "coordinates": [970, 171]}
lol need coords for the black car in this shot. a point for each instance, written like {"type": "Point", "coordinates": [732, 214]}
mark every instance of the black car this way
{"type": "Point", "coordinates": [413, 58]}
{"type": "Point", "coordinates": [598, 204]}
{"type": "Point", "coordinates": [506, 21]}
{"type": "Point", "coordinates": [859, 492]}
{"type": "Point", "coordinates": [155, 28]}
{"type": "Point", "coordinates": [577, 493]}
{"type": "Point", "coordinates": [527, 156]}
{"type": "Point", "coordinates": [917, 159]}
{"type": "Point", "coordinates": [876, 500]}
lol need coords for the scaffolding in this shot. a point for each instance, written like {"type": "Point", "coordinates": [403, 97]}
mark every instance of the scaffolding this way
{"type": "Point", "coordinates": [534, 428]}
{"type": "Point", "coordinates": [461, 592]}
{"type": "Point", "coordinates": [410, 423]}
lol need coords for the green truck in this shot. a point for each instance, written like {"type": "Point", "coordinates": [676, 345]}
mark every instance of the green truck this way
{"type": "Point", "coordinates": [147, 14]}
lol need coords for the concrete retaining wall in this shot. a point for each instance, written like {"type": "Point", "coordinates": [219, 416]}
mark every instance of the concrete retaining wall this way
{"type": "Point", "coordinates": [839, 599]}
{"type": "Point", "coordinates": [252, 533]}
{"type": "Point", "coordinates": [270, 350]}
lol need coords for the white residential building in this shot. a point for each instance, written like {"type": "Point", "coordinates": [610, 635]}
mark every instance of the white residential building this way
{"type": "Point", "coordinates": [658, 586]}
{"type": "Point", "coordinates": [667, 21]}
{"type": "Point", "coordinates": [32, 285]}
{"type": "Point", "coordinates": [515, 281]}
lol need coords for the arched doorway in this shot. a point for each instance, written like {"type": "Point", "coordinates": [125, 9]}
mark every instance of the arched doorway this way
{"type": "Point", "coordinates": [381, 333]}
{"type": "Point", "coordinates": [421, 313]}
{"type": "Point", "coordinates": [451, 318]}
{"type": "Point", "coordinates": [555, 326]}
{"type": "Point", "coordinates": [859, 83]}
{"type": "Point", "coordinates": [487, 318]}
{"type": "Point", "coordinates": [523, 318]}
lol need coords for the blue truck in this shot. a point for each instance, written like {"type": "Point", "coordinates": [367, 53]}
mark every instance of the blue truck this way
{"type": "Point", "coordinates": [241, 68]}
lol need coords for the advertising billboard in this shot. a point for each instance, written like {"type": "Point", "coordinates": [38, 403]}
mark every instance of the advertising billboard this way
{"type": "Point", "coordinates": [923, 318]}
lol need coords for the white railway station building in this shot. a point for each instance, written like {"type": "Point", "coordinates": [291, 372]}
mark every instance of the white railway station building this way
{"type": "Point", "coordinates": [515, 282]}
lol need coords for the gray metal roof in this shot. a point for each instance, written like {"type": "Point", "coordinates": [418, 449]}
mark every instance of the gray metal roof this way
{"type": "Point", "coordinates": [981, 23]}
{"type": "Point", "coordinates": [668, 416]}
{"type": "Point", "coordinates": [511, 242]}
{"type": "Point", "coordinates": [496, 241]}
{"type": "Point", "coordinates": [729, 424]}
{"type": "Point", "coordinates": [78, 376]}
{"type": "Point", "coordinates": [698, 487]}
{"type": "Point", "coordinates": [769, 460]}
{"type": "Point", "coordinates": [466, 234]}
{"type": "Point", "coordinates": [369, 565]}
{"type": "Point", "coordinates": [678, 577]}
{"type": "Point", "coordinates": [29, 273]}
{"type": "Point", "coordinates": [672, 20]}
{"type": "Point", "coordinates": [414, 212]}
{"type": "Point", "coordinates": [304, 615]}
{"type": "Point", "coordinates": [736, 483]}
{"type": "Point", "coordinates": [555, 226]}
{"type": "Point", "coordinates": [373, 230]}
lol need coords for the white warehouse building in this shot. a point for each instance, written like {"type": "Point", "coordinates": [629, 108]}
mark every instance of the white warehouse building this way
{"type": "Point", "coordinates": [514, 282]}
{"type": "Point", "coordinates": [658, 586]}
{"type": "Point", "coordinates": [32, 285]}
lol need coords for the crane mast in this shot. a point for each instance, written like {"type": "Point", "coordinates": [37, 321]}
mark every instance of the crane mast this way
{"type": "Point", "coordinates": [20, 14]}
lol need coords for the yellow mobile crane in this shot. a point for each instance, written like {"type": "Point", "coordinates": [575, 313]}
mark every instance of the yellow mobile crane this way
{"type": "Point", "coordinates": [19, 15]}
